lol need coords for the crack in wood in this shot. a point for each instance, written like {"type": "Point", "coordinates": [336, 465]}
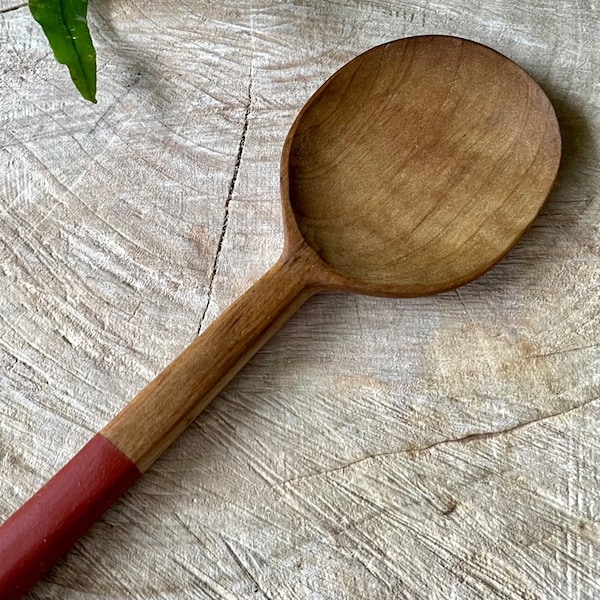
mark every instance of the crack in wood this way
{"type": "Point", "coordinates": [563, 351]}
{"type": "Point", "coordinates": [230, 190]}
{"type": "Point", "coordinates": [13, 8]}
{"type": "Point", "coordinates": [484, 435]}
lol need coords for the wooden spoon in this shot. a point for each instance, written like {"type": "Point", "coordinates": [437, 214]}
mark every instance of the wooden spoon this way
{"type": "Point", "coordinates": [411, 171]}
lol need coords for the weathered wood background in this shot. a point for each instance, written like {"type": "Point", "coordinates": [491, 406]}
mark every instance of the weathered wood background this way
{"type": "Point", "coordinates": [438, 448]}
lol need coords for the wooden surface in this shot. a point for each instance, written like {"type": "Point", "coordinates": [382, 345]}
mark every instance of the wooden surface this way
{"type": "Point", "coordinates": [419, 165]}
{"type": "Point", "coordinates": [444, 447]}
{"type": "Point", "coordinates": [415, 168]}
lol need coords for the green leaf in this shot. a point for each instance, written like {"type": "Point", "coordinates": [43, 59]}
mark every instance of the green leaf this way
{"type": "Point", "coordinates": [65, 24]}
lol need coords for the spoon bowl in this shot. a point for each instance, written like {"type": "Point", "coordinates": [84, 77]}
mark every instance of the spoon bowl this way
{"type": "Point", "coordinates": [411, 171]}
{"type": "Point", "coordinates": [418, 165]}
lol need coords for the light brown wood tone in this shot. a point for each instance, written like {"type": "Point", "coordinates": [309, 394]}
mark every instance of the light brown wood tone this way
{"type": "Point", "coordinates": [420, 164]}
{"type": "Point", "coordinates": [162, 410]}
{"type": "Point", "coordinates": [411, 171]}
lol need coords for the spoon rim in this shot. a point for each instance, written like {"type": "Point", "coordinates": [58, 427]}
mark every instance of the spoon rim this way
{"type": "Point", "coordinates": [326, 276]}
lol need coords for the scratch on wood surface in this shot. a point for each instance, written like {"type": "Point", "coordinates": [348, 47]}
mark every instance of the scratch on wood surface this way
{"type": "Point", "coordinates": [230, 190]}
{"type": "Point", "coordinates": [47, 356]}
{"type": "Point", "coordinates": [238, 561]}
{"type": "Point", "coordinates": [116, 102]}
{"type": "Point", "coordinates": [220, 592]}
{"type": "Point", "coordinates": [188, 529]}
{"type": "Point", "coordinates": [469, 315]}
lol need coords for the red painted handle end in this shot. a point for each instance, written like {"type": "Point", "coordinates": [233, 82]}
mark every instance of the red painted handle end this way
{"type": "Point", "coordinates": [48, 524]}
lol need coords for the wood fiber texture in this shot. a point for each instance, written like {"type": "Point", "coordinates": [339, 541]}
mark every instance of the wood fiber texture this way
{"type": "Point", "coordinates": [423, 449]}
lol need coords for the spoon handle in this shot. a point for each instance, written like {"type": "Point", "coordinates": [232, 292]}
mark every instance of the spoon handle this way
{"type": "Point", "coordinates": [48, 524]}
